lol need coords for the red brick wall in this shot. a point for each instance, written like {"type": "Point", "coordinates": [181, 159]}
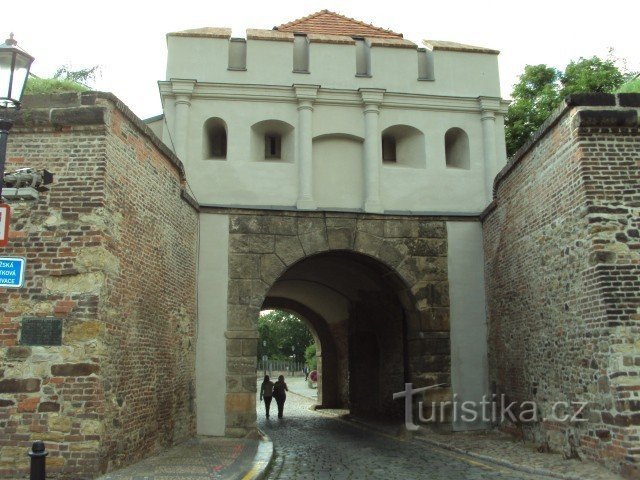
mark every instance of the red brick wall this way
{"type": "Point", "coordinates": [95, 260]}
{"type": "Point", "coordinates": [563, 279]}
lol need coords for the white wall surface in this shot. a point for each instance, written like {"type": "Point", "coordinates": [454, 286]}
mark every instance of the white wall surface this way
{"type": "Point", "coordinates": [212, 323]}
{"type": "Point", "coordinates": [265, 92]}
{"type": "Point", "coordinates": [469, 366]}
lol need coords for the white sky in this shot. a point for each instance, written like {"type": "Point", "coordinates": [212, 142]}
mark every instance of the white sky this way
{"type": "Point", "coordinates": [127, 38]}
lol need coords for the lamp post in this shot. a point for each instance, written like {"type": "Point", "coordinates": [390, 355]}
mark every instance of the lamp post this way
{"type": "Point", "coordinates": [14, 72]}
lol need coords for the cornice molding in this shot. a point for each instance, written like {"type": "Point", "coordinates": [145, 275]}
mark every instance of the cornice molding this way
{"type": "Point", "coordinates": [336, 97]}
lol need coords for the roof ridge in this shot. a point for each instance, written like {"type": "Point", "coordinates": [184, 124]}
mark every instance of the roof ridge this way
{"type": "Point", "coordinates": [326, 11]}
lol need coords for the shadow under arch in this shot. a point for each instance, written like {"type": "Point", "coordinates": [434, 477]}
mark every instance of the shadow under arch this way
{"type": "Point", "coordinates": [359, 308]}
{"type": "Point", "coordinates": [326, 348]}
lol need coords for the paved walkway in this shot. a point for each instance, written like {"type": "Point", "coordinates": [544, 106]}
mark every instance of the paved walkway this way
{"type": "Point", "coordinates": [200, 458]}
{"type": "Point", "coordinates": [322, 444]}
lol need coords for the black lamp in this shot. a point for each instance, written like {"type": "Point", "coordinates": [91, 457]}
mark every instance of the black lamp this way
{"type": "Point", "coordinates": [14, 72]}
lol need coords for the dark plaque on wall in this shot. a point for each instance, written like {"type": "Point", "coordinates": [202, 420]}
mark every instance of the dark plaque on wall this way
{"type": "Point", "coordinates": [41, 331]}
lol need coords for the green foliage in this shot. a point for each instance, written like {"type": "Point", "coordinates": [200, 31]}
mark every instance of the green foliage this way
{"type": "Point", "coordinates": [285, 335]}
{"type": "Point", "coordinates": [632, 86]}
{"type": "Point", "coordinates": [52, 85]}
{"type": "Point", "coordinates": [535, 96]}
{"type": "Point", "coordinates": [82, 76]}
{"type": "Point", "coordinates": [590, 75]}
{"type": "Point", "coordinates": [540, 89]}
{"type": "Point", "coordinates": [310, 357]}
{"type": "Point", "coordinates": [64, 80]}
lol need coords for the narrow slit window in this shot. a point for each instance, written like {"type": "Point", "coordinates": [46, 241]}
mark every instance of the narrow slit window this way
{"type": "Point", "coordinates": [272, 147]}
{"type": "Point", "coordinates": [300, 54]}
{"type": "Point", "coordinates": [237, 54]}
{"type": "Point", "coordinates": [363, 58]}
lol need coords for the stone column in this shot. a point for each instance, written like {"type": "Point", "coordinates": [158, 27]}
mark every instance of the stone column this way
{"type": "Point", "coordinates": [182, 90]}
{"type": "Point", "coordinates": [488, 107]}
{"type": "Point", "coordinates": [305, 94]}
{"type": "Point", "coordinates": [372, 98]}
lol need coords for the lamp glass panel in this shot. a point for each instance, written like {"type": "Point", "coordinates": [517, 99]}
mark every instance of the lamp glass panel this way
{"type": "Point", "coordinates": [20, 76]}
{"type": "Point", "coordinates": [5, 73]}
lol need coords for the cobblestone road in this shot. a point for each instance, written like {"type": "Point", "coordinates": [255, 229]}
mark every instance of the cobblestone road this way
{"type": "Point", "coordinates": [310, 445]}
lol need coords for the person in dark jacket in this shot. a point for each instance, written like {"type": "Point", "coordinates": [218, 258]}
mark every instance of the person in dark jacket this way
{"type": "Point", "coordinates": [266, 393]}
{"type": "Point", "coordinates": [280, 390]}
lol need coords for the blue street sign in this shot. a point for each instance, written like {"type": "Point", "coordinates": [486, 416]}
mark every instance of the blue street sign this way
{"type": "Point", "coordinates": [12, 272]}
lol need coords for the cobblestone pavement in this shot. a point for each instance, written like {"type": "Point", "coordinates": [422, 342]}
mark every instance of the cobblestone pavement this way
{"type": "Point", "coordinates": [312, 445]}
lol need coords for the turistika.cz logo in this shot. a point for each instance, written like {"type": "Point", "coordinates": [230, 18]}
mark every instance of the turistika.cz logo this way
{"type": "Point", "coordinates": [493, 409]}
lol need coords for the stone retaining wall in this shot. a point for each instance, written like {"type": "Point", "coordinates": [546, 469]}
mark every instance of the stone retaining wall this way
{"type": "Point", "coordinates": [111, 252]}
{"type": "Point", "coordinates": [563, 279]}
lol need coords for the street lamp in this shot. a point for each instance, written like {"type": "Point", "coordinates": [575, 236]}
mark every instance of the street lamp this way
{"type": "Point", "coordinates": [14, 72]}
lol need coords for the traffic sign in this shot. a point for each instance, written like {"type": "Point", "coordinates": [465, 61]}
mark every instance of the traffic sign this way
{"type": "Point", "coordinates": [12, 272]}
{"type": "Point", "coordinates": [5, 216]}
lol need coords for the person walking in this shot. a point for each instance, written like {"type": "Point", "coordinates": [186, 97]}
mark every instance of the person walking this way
{"type": "Point", "coordinates": [280, 390]}
{"type": "Point", "coordinates": [266, 393]}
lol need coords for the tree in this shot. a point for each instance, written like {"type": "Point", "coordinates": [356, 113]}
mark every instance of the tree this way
{"type": "Point", "coordinates": [535, 96]}
{"type": "Point", "coordinates": [310, 357]}
{"type": "Point", "coordinates": [590, 75]}
{"type": "Point", "coordinates": [540, 89]}
{"type": "Point", "coordinates": [285, 336]}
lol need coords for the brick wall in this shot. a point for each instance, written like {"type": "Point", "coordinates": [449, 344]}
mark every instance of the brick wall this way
{"type": "Point", "coordinates": [562, 256]}
{"type": "Point", "coordinates": [111, 251]}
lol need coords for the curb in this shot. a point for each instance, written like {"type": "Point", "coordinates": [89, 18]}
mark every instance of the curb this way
{"type": "Point", "coordinates": [497, 461]}
{"type": "Point", "coordinates": [262, 460]}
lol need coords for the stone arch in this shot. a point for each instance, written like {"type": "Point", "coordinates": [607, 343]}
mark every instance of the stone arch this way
{"type": "Point", "coordinates": [409, 253]}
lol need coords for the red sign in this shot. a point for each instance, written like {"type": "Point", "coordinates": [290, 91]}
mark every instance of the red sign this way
{"type": "Point", "coordinates": [5, 215]}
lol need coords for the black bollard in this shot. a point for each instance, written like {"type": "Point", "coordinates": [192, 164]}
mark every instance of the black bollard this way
{"type": "Point", "coordinates": [38, 459]}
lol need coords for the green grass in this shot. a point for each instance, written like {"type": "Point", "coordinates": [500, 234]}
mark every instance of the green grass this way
{"type": "Point", "coordinates": [630, 87]}
{"type": "Point", "coordinates": [52, 85]}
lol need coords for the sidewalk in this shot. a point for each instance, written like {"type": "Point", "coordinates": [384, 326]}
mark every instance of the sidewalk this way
{"type": "Point", "coordinates": [203, 458]}
{"type": "Point", "coordinates": [491, 446]}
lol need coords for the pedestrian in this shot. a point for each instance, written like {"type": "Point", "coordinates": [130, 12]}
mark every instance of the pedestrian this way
{"type": "Point", "coordinates": [305, 370]}
{"type": "Point", "coordinates": [280, 390]}
{"type": "Point", "coordinates": [266, 393]}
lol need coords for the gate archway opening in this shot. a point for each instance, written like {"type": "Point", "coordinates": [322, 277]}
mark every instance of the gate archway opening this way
{"type": "Point", "coordinates": [358, 309]}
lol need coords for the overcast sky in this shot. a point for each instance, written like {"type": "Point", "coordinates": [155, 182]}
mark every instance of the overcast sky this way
{"type": "Point", "coordinates": [127, 38]}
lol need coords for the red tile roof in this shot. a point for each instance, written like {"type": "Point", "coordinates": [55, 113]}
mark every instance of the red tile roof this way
{"type": "Point", "coordinates": [329, 23]}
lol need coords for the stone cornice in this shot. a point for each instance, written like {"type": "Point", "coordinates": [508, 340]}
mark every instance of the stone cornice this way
{"type": "Point", "coordinates": [329, 96]}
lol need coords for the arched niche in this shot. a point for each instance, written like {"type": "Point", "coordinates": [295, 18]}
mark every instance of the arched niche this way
{"type": "Point", "coordinates": [456, 146]}
{"type": "Point", "coordinates": [403, 145]}
{"type": "Point", "coordinates": [272, 140]}
{"type": "Point", "coordinates": [214, 139]}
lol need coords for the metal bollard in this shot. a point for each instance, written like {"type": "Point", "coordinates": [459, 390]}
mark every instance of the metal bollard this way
{"type": "Point", "coordinates": [38, 456]}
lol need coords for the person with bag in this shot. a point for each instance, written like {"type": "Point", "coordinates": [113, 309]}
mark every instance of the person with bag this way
{"type": "Point", "coordinates": [280, 390]}
{"type": "Point", "coordinates": [266, 393]}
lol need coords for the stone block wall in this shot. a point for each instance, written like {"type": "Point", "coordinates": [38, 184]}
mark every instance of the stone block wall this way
{"type": "Point", "coordinates": [111, 252]}
{"type": "Point", "coordinates": [562, 253]}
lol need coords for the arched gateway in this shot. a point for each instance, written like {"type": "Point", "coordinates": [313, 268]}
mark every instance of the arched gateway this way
{"type": "Point", "coordinates": [374, 289]}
